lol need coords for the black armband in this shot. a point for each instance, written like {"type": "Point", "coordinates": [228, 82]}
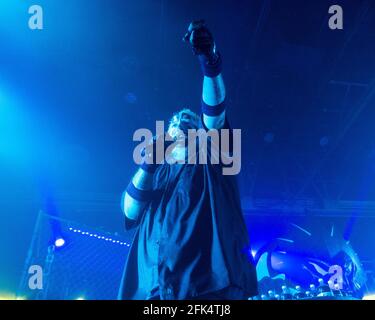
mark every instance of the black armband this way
{"type": "Point", "coordinates": [139, 194]}
{"type": "Point", "coordinates": [213, 111]}
{"type": "Point", "coordinates": [211, 67]}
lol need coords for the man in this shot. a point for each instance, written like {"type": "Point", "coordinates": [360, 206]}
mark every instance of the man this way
{"type": "Point", "coordinates": [191, 241]}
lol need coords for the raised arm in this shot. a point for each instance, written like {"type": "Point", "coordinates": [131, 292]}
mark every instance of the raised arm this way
{"type": "Point", "coordinates": [213, 95]}
{"type": "Point", "coordinates": [213, 102]}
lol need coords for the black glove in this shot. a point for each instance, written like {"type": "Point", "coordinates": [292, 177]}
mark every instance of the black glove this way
{"type": "Point", "coordinates": [201, 40]}
{"type": "Point", "coordinates": [203, 45]}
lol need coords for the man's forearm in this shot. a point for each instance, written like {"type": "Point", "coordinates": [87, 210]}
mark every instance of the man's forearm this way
{"type": "Point", "coordinates": [213, 90]}
{"type": "Point", "coordinates": [213, 97]}
{"type": "Point", "coordinates": [136, 195]}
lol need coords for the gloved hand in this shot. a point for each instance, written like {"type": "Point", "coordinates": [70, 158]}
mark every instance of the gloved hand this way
{"type": "Point", "coordinates": [200, 39]}
{"type": "Point", "coordinates": [203, 45]}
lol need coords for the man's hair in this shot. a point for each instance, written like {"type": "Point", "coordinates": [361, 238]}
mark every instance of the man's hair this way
{"type": "Point", "coordinates": [174, 124]}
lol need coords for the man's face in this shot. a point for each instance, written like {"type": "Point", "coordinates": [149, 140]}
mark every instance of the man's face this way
{"type": "Point", "coordinates": [188, 120]}
{"type": "Point", "coordinates": [183, 121]}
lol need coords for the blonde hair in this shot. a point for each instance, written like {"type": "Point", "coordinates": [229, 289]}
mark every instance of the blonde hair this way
{"type": "Point", "coordinates": [174, 129]}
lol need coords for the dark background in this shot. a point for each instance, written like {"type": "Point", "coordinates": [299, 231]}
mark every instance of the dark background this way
{"type": "Point", "coordinates": [72, 95]}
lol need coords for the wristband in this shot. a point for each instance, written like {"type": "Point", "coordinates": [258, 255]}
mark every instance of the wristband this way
{"type": "Point", "coordinates": [139, 194]}
{"type": "Point", "coordinates": [213, 111]}
{"type": "Point", "coordinates": [211, 66]}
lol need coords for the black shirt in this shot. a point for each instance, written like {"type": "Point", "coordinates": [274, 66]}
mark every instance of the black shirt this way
{"type": "Point", "coordinates": [192, 239]}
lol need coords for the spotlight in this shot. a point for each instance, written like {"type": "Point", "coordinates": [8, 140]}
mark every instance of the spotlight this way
{"type": "Point", "coordinates": [59, 242]}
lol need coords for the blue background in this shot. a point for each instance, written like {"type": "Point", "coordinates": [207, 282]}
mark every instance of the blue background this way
{"type": "Point", "coordinates": [72, 94]}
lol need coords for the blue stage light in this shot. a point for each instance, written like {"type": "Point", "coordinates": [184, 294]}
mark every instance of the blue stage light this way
{"type": "Point", "coordinates": [59, 242]}
{"type": "Point", "coordinates": [99, 237]}
{"type": "Point", "coordinates": [369, 297]}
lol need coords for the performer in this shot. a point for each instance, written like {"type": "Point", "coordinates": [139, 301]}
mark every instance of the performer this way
{"type": "Point", "coordinates": [191, 241]}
